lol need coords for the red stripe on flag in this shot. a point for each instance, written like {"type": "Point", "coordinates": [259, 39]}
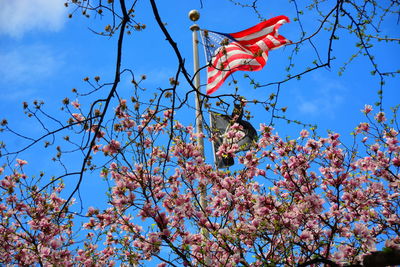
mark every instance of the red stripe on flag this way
{"type": "Point", "coordinates": [260, 26]}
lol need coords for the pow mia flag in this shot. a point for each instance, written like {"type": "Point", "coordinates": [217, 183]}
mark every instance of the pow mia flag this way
{"type": "Point", "coordinates": [221, 124]}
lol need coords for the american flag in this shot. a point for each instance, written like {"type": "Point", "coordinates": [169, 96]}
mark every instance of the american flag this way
{"type": "Point", "coordinates": [245, 50]}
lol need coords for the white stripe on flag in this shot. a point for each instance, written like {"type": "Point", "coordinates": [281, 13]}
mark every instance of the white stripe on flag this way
{"type": "Point", "coordinates": [261, 33]}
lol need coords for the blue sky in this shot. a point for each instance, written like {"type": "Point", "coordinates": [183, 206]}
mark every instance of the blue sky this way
{"type": "Point", "coordinates": [43, 55]}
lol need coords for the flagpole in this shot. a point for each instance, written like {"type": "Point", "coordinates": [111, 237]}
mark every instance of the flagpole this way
{"type": "Point", "coordinates": [194, 15]}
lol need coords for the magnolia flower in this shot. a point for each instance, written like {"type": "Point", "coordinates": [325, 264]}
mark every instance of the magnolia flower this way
{"type": "Point", "coordinates": [21, 162]}
{"type": "Point", "coordinates": [304, 133]}
{"type": "Point", "coordinates": [367, 109]}
{"type": "Point", "coordinates": [76, 104]}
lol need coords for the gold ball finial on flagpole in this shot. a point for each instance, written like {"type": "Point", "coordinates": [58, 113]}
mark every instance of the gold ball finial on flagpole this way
{"type": "Point", "coordinates": [194, 15]}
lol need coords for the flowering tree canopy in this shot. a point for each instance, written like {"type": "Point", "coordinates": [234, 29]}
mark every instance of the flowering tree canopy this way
{"type": "Point", "coordinates": [290, 201]}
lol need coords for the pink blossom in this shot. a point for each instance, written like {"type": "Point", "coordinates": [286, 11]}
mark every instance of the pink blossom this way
{"type": "Point", "coordinates": [304, 133]}
{"type": "Point", "coordinates": [21, 162]}
{"type": "Point", "coordinates": [361, 230]}
{"type": "Point", "coordinates": [393, 243]}
{"type": "Point", "coordinates": [7, 183]}
{"type": "Point", "coordinates": [380, 117]}
{"type": "Point", "coordinates": [76, 104]}
{"type": "Point", "coordinates": [363, 127]}
{"type": "Point", "coordinates": [393, 219]}
{"type": "Point", "coordinates": [111, 148]}
{"type": "Point", "coordinates": [306, 236]}
{"type": "Point", "coordinates": [375, 147]}
{"type": "Point", "coordinates": [168, 113]}
{"type": "Point", "coordinates": [96, 148]}
{"type": "Point", "coordinates": [55, 243]}
{"type": "Point", "coordinates": [396, 161]}
{"type": "Point", "coordinates": [78, 117]}
{"type": "Point", "coordinates": [367, 109]}
{"type": "Point", "coordinates": [128, 123]}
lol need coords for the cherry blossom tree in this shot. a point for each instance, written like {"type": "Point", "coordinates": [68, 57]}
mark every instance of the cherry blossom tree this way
{"type": "Point", "coordinates": [311, 199]}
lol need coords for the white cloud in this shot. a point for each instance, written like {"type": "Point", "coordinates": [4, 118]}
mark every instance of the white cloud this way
{"type": "Point", "coordinates": [20, 16]}
{"type": "Point", "coordinates": [23, 66]}
{"type": "Point", "coordinates": [308, 107]}
{"type": "Point", "coordinates": [27, 63]}
{"type": "Point", "coordinates": [323, 99]}
{"type": "Point", "coordinates": [159, 75]}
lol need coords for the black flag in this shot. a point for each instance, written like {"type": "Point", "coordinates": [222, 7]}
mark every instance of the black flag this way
{"type": "Point", "coordinates": [220, 124]}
